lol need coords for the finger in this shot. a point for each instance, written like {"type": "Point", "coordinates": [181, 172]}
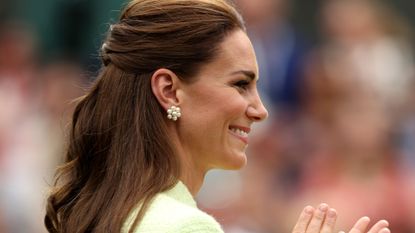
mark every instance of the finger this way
{"type": "Point", "coordinates": [318, 218]}
{"type": "Point", "coordinates": [360, 225]}
{"type": "Point", "coordinates": [329, 222]}
{"type": "Point", "coordinates": [304, 220]}
{"type": "Point", "coordinates": [378, 226]}
{"type": "Point", "coordinates": [385, 230]}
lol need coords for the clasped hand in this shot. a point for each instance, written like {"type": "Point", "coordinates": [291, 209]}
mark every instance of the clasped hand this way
{"type": "Point", "coordinates": [323, 219]}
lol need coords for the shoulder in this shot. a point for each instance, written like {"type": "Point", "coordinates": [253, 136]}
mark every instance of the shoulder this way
{"type": "Point", "coordinates": [167, 215]}
{"type": "Point", "coordinates": [196, 221]}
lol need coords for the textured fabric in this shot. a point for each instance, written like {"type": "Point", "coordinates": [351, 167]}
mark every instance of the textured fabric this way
{"type": "Point", "coordinates": [174, 211]}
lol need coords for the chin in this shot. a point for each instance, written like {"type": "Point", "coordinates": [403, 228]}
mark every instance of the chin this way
{"type": "Point", "coordinates": [236, 162]}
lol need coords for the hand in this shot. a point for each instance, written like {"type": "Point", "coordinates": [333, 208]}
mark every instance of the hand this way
{"type": "Point", "coordinates": [323, 219]}
{"type": "Point", "coordinates": [362, 224]}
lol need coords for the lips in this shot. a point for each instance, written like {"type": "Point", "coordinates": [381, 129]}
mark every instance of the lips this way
{"type": "Point", "coordinates": [240, 132]}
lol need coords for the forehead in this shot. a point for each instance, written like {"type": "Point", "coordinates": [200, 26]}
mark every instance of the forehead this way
{"type": "Point", "coordinates": [235, 53]}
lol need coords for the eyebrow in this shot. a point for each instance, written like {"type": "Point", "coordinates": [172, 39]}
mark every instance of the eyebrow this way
{"type": "Point", "coordinates": [251, 75]}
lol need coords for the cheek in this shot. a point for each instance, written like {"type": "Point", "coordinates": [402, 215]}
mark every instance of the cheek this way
{"type": "Point", "coordinates": [223, 110]}
{"type": "Point", "coordinates": [214, 104]}
{"type": "Point", "coordinates": [208, 122]}
{"type": "Point", "coordinates": [234, 106]}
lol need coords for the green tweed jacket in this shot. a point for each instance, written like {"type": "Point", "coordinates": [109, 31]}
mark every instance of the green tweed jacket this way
{"type": "Point", "coordinates": [174, 211]}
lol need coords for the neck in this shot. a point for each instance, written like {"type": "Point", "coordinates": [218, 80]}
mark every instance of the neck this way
{"type": "Point", "coordinates": [192, 180]}
{"type": "Point", "coordinates": [192, 175]}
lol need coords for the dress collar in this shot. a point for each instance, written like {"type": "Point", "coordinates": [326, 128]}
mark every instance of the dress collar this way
{"type": "Point", "coordinates": [182, 194]}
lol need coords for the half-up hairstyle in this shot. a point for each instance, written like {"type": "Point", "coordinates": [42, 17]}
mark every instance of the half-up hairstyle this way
{"type": "Point", "coordinates": [119, 155]}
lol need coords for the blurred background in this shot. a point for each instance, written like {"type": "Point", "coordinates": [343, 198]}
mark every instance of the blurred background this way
{"type": "Point", "coordinates": [337, 76]}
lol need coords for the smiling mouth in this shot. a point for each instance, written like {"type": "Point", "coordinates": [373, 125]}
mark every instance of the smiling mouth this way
{"type": "Point", "coordinates": [240, 133]}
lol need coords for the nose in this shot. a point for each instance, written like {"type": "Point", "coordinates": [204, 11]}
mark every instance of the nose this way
{"type": "Point", "coordinates": [257, 111]}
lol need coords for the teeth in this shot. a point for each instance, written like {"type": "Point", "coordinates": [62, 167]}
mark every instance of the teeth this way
{"type": "Point", "coordinates": [240, 132]}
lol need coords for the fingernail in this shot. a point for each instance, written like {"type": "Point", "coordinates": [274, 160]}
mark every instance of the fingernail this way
{"type": "Point", "coordinates": [385, 230]}
{"type": "Point", "coordinates": [366, 218]}
{"type": "Point", "coordinates": [309, 209]}
{"type": "Point", "coordinates": [323, 207]}
{"type": "Point", "coordinates": [385, 222]}
{"type": "Point", "coordinates": [332, 213]}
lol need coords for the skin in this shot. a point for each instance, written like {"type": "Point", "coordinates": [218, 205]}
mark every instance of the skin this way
{"type": "Point", "coordinates": [225, 94]}
{"type": "Point", "coordinates": [223, 98]}
{"type": "Point", "coordinates": [323, 218]}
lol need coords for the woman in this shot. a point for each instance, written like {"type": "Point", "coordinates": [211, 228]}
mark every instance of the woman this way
{"type": "Point", "coordinates": [176, 97]}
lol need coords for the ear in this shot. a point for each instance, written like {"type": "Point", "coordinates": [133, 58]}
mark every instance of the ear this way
{"type": "Point", "coordinates": [164, 84]}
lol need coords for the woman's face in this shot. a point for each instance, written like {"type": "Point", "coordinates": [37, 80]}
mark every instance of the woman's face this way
{"type": "Point", "coordinates": [218, 109]}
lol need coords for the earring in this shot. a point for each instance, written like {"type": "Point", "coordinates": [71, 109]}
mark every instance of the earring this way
{"type": "Point", "coordinates": [173, 113]}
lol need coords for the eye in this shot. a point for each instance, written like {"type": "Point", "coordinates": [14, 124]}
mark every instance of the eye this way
{"type": "Point", "coordinates": [242, 84]}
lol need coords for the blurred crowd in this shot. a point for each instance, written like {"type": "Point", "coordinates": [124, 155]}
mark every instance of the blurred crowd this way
{"type": "Point", "coordinates": [341, 127]}
{"type": "Point", "coordinates": [35, 108]}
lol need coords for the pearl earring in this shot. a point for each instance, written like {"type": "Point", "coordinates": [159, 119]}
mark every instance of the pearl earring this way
{"type": "Point", "coordinates": [173, 113]}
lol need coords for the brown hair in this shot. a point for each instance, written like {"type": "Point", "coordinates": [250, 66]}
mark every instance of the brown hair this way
{"type": "Point", "coordinates": [119, 153]}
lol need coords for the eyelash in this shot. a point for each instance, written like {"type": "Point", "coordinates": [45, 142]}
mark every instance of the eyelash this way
{"type": "Point", "coordinates": [242, 84]}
